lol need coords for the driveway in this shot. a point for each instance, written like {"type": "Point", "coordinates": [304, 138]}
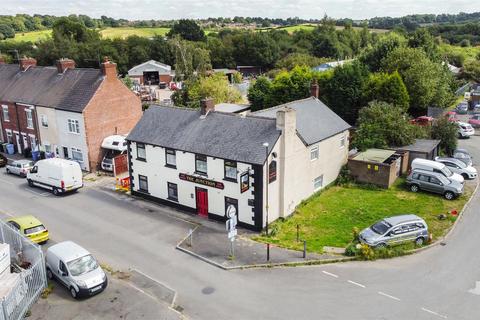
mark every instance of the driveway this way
{"type": "Point", "coordinates": [438, 283]}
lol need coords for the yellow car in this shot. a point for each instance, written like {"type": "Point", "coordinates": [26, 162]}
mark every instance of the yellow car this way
{"type": "Point", "coordinates": [31, 227]}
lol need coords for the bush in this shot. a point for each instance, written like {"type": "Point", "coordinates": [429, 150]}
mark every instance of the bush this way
{"type": "Point", "coordinates": [446, 132]}
{"type": "Point", "coordinates": [344, 176]}
{"type": "Point", "coordinates": [366, 252]}
{"type": "Point", "coordinates": [356, 233]}
{"type": "Point", "coordinates": [351, 250]}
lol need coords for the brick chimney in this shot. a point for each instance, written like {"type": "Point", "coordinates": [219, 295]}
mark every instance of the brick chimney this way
{"type": "Point", "coordinates": [64, 64]}
{"type": "Point", "coordinates": [314, 89]}
{"type": "Point", "coordinates": [109, 69]}
{"type": "Point", "coordinates": [26, 63]}
{"type": "Point", "coordinates": [206, 105]}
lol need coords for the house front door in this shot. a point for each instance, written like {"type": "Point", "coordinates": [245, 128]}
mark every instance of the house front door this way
{"type": "Point", "coordinates": [202, 202]}
{"type": "Point", "coordinates": [19, 146]}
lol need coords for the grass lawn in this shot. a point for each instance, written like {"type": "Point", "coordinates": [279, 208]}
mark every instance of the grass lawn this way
{"type": "Point", "coordinates": [31, 36]}
{"type": "Point", "coordinates": [124, 32]}
{"type": "Point", "coordinates": [328, 218]}
{"type": "Point", "coordinates": [310, 27]}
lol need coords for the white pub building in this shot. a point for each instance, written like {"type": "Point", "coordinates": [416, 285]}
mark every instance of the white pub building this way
{"type": "Point", "coordinates": [203, 160]}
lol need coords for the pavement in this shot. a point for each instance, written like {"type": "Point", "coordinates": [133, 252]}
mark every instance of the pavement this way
{"type": "Point", "coordinates": [442, 282]}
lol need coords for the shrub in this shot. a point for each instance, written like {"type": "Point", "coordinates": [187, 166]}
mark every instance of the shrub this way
{"type": "Point", "coordinates": [366, 252]}
{"type": "Point", "coordinates": [274, 228]}
{"type": "Point", "coordinates": [351, 250]}
{"type": "Point", "coordinates": [344, 176]}
{"type": "Point", "coordinates": [356, 233]}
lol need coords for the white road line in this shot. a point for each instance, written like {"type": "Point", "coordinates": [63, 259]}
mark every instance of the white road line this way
{"type": "Point", "coordinates": [330, 274]}
{"type": "Point", "coordinates": [6, 181]}
{"type": "Point", "coordinates": [356, 283]}
{"type": "Point", "coordinates": [43, 194]}
{"type": "Point", "coordinates": [434, 313]}
{"type": "Point", "coordinates": [6, 213]}
{"type": "Point", "coordinates": [388, 296]}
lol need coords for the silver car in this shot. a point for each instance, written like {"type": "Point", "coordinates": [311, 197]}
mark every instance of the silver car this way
{"type": "Point", "coordinates": [20, 167]}
{"type": "Point", "coordinates": [457, 166]}
{"type": "Point", "coordinates": [395, 230]}
{"type": "Point", "coordinates": [434, 182]}
{"type": "Point", "coordinates": [463, 155]}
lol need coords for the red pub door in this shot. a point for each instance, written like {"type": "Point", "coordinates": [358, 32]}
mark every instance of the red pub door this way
{"type": "Point", "coordinates": [202, 202]}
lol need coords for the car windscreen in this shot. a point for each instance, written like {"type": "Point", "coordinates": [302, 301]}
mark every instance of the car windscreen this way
{"type": "Point", "coordinates": [447, 172]}
{"type": "Point", "coordinates": [461, 164]}
{"type": "Point", "coordinates": [380, 227]}
{"type": "Point", "coordinates": [27, 164]}
{"type": "Point", "coordinates": [32, 230]}
{"type": "Point", "coordinates": [82, 265]}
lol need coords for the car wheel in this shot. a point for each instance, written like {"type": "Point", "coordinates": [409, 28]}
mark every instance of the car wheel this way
{"type": "Point", "coordinates": [49, 274]}
{"type": "Point", "coordinates": [414, 188]}
{"type": "Point", "coordinates": [449, 195]}
{"type": "Point", "coordinates": [8, 171]}
{"type": "Point", "coordinates": [419, 242]}
{"type": "Point", "coordinates": [465, 176]}
{"type": "Point", "coordinates": [56, 192]}
{"type": "Point", "coordinates": [73, 292]}
{"type": "Point", "coordinates": [30, 183]}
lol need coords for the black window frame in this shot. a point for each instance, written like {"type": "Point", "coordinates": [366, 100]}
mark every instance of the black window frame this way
{"type": "Point", "coordinates": [139, 184]}
{"type": "Point", "coordinates": [167, 152]}
{"type": "Point", "coordinates": [173, 186]}
{"type": "Point", "coordinates": [144, 147]}
{"type": "Point", "coordinates": [225, 165]}
{"type": "Point", "coordinates": [201, 157]}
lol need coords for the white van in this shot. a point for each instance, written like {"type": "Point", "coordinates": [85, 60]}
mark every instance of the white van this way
{"type": "Point", "coordinates": [58, 175]}
{"type": "Point", "coordinates": [76, 269]}
{"type": "Point", "coordinates": [113, 146]}
{"type": "Point", "coordinates": [434, 166]}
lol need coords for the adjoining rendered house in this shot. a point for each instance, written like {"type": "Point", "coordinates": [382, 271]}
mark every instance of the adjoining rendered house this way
{"type": "Point", "coordinates": [204, 161]}
{"type": "Point", "coordinates": [65, 111]}
{"type": "Point", "coordinates": [151, 73]}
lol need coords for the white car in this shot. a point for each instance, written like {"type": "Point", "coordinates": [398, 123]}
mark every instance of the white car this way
{"type": "Point", "coordinates": [76, 269]}
{"type": "Point", "coordinates": [434, 166]}
{"type": "Point", "coordinates": [20, 167]}
{"type": "Point", "coordinates": [457, 166]}
{"type": "Point", "coordinates": [465, 130]}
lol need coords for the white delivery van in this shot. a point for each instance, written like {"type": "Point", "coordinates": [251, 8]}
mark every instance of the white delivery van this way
{"type": "Point", "coordinates": [434, 166]}
{"type": "Point", "coordinates": [58, 175]}
{"type": "Point", "coordinates": [75, 268]}
{"type": "Point", "coordinates": [113, 146]}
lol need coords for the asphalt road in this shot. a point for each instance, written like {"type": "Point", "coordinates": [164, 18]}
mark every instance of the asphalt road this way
{"type": "Point", "coordinates": [438, 283]}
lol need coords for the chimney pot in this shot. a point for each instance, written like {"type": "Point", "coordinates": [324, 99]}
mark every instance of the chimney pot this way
{"type": "Point", "coordinates": [64, 64]}
{"type": "Point", "coordinates": [314, 89]}
{"type": "Point", "coordinates": [206, 105]}
{"type": "Point", "coordinates": [26, 63]}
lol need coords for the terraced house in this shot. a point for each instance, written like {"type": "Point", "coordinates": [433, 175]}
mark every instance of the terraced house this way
{"type": "Point", "coordinates": [64, 111]}
{"type": "Point", "coordinates": [203, 161]}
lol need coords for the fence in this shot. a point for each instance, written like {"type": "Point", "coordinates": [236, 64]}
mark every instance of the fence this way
{"type": "Point", "coordinates": [27, 259]}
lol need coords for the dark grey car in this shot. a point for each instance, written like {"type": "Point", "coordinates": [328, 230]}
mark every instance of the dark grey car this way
{"type": "Point", "coordinates": [434, 182]}
{"type": "Point", "coordinates": [463, 155]}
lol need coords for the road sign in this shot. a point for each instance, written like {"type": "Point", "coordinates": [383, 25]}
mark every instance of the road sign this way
{"type": "Point", "coordinates": [231, 211]}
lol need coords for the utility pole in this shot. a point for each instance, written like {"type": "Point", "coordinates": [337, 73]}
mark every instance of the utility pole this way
{"type": "Point", "coordinates": [267, 182]}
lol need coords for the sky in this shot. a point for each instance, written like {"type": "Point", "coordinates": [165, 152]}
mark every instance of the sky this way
{"type": "Point", "coordinates": [175, 9]}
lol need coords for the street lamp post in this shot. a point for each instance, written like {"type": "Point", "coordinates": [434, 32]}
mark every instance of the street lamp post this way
{"type": "Point", "coordinates": [266, 180]}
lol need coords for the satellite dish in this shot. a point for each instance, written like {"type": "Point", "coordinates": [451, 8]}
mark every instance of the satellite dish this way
{"type": "Point", "coordinates": [231, 211]}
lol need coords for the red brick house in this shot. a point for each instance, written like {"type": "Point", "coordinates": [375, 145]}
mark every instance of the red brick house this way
{"type": "Point", "coordinates": [63, 110]}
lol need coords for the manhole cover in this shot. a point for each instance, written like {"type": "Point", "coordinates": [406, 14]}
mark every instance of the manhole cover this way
{"type": "Point", "coordinates": [208, 290]}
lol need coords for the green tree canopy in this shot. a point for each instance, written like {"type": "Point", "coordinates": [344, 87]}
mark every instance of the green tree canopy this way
{"type": "Point", "coordinates": [260, 93]}
{"type": "Point", "coordinates": [386, 44]}
{"type": "Point", "coordinates": [6, 32]}
{"type": "Point", "coordinates": [388, 88]}
{"type": "Point", "coordinates": [299, 59]}
{"type": "Point", "coordinates": [255, 48]}
{"type": "Point", "coordinates": [447, 133]}
{"type": "Point", "coordinates": [187, 30]}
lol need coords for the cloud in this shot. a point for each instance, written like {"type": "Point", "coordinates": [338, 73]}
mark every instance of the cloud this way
{"type": "Point", "coordinates": [174, 9]}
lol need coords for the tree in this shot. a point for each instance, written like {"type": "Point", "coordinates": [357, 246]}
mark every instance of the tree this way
{"type": "Point", "coordinates": [6, 32]}
{"type": "Point", "coordinates": [446, 132]}
{"type": "Point", "coordinates": [260, 93]}
{"type": "Point", "coordinates": [187, 30]}
{"type": "Point", "coordinates": [255, 48]}
{"type": "Point", "coordinates": [423, 39]}
{"type": "Point", "coordinates": [471, 70]}
{"type": "Point", "coordinates": [299, 59]}
{"type": "Point", "coordinates": [388, 88]}
{"type": "Point", "coordinates": [128, 82]}
{"type": "Point", "coordinates": [382, 125]}
{"type": "Point", "coordinates": [374, 56]}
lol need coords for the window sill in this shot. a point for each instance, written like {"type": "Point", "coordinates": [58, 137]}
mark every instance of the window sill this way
{"type": "Point", "coordinates": [201, 173]}
{"type": "Point", "coordinates": [143, 191]}
{"type": "Point", "coordinates": [230, 179]}
{"type": "Point", "coordinates": [171, 166]}
{"type": "Point", "coordinates": [172, 199]}
{"type": "Point", "coordinates": [141, 159]}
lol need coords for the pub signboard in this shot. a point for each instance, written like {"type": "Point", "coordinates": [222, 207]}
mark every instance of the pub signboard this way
{"type": "Point", "coordinates": [202, 181]}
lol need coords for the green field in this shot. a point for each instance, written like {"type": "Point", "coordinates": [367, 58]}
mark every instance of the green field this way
{"type": "Point", "coordinates": [310, 27]}
{"type": "Point", "coordinates": [31, 36]}
{"type": "Point", "coordinates": [469, 52]}
{"type": "Point", "coordinates": [328, 219]}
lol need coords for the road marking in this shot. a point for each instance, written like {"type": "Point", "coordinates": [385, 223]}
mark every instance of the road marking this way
{"type": "Point", "coordinates": [475, 290]}
{"type": "Point", "coordinates": [43, 194]}
{"type": "Point", "coordinates": [434, 313]}
{"type": "Point", "coordinates": [356, 283]}
{"type": "Point", "coordinates": [330, 274]}
{"type": "Point", "coordinates": [6, 213]}
{"type": "Point", "coordinates": [6, 181]}
{"type": "Point", "coordinates": [388, 296]}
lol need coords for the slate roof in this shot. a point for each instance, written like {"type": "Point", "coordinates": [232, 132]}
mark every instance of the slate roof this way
{"type": "Point", "coordinates": [44, 86]}
{"type": "Point", "coordinates": [315, 121]}
{"type": "Point", "coordinates": [222, 135]}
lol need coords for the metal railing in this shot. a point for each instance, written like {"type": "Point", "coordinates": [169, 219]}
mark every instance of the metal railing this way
{"type": "Point", "coordinates": [27, 259]}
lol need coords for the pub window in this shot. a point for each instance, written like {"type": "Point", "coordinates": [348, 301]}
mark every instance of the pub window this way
{"type": "Point", "coordinates": [172, 191]}
{"type": "Point", "coordinates": [200, 164]}
{"type": "Point", "coordinates": [272, 171]}
{"type": "Point", "coordinates": [143, 183]}
{"type": "Point", "coordinates": [231, 202]}
{"type": "Point", "coordinates": [171, 158]}
{"type": "Point", "coordinates": [230, 170]}
{"type": "Point", "coordinates": [141, 153]}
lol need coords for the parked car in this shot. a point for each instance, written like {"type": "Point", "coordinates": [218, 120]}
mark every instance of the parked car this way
{"type": "Point", "coordinates": [462, 108]}
{"type": "Point", "coordinates": [396, 230]}
{"type": "Point", "coordinates": [474, 121]}
{"type": "Point", "coordinates": [434, 166]}
{"type": "Point", "coordinates": [3, 161]}
{"type": "Point", "coordinates": [457, 166]}
{"type": "Point", "coordinates": [58, 175]}
{"type": "Point", "coordinates": [31, 227]}
{"type": "Point", "coordinates": [422, 121]}
{"type": "Point", "coordinates": [451, 116]}
{"type": "Point", "coordinates": [463, 155]}
{"type": "Point", "coordinates": [465, 130]}
{"type": "Point", "coordinates": [434, 182]}
{"type": "Point", "coordinates": [75, 268]}
{"type": "Point", "coordinates": [20, 167]}
{"type": "Point", "coordinates": [476, 108]}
